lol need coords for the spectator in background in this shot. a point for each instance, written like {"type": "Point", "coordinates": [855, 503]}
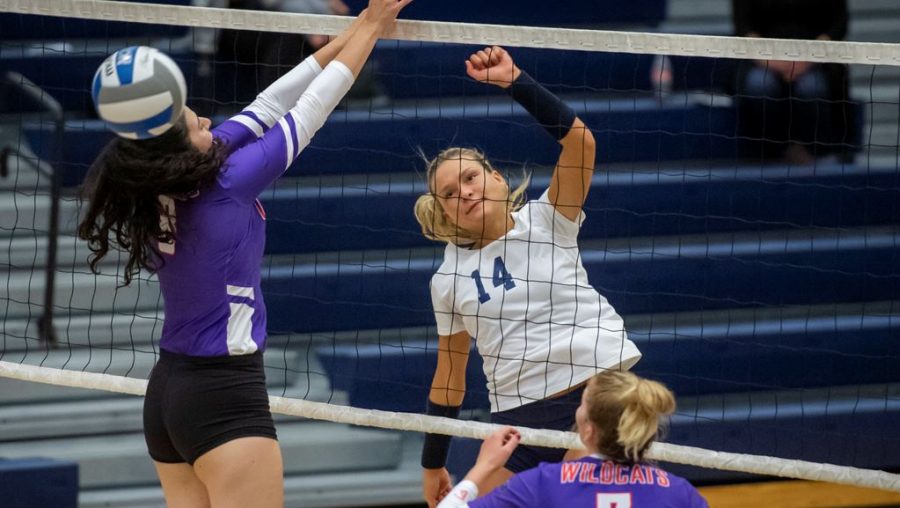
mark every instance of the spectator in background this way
{"type": "Point", "coordinates": [253, 60]}
{"type": "Point", "coordinates": [797, 108]}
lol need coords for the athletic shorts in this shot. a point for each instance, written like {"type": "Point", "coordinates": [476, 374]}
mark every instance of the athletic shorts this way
{"type": "Point", "coordinates": [557, 413]}
{"type": "Point", "coordinates": [194, 404]}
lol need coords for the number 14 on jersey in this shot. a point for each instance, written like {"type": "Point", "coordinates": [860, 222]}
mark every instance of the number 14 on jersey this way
{"type": "Point", "coordinates": [501, 278]}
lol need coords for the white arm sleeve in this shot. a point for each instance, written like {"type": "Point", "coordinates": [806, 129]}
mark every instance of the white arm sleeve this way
{"type": "Point", "coordinates": [312, 109]}
{"type": "Point", "coordinates": [272, 103]}
{"type": "Point", "coordinates": [460, 496]}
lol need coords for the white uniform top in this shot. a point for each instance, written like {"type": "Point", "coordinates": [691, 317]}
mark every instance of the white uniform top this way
{"type": "Point", "coordinates": [539, 325]}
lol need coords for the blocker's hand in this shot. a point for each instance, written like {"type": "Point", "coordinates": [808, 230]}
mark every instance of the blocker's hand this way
{"type": "Point", "coordinates": [383, 13]}
{"type": "Point", "coordinates": [492, 65]}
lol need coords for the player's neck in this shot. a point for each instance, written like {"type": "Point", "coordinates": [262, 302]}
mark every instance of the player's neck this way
{"type": "Point", "coordinates": [490, 235]}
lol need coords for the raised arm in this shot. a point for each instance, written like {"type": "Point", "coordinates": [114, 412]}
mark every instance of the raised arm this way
{"type": "Point", "coordinates": [448, 388]}
{"type": "Point", "coordinates": [256, 165]}
{"type": "Point", "coordinates": [273, 103]}
{"type": "Point", "coordinates": [495, 451]}
{"type": "Point", "coordinates": [377, 21]}
{"type": "Point", "coordinates": [572, 176]}
{"type": "Point", "coordinates": [280, 96]}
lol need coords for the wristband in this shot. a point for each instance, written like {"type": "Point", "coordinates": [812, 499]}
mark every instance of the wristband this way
{"type": "Point", "coordinates": [434, 451]}
{"type": "Point", "coordinates": [552, 113]}
{"type": "Point", "coordinates": [460, 496]}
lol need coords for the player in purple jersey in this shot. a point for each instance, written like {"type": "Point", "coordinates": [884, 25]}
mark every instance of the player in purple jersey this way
{"type": "Point", "coordinates": [617, 421]}
{"type": "Point", "coordinates": [184, 205]}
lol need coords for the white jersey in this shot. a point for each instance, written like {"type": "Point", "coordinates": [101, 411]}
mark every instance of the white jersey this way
{"type": "Point", "coordinates": [539, 325]}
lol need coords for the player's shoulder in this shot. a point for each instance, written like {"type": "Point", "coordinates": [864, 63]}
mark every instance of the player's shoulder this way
{"type": "Point", "coordinates": [450, 258]}
{"type": "Point", "coordinates": [675, 482]}
{"type": "Point", "coordinates": [553, 469]}
{"type": "Point", "coordinates": [527, 209]}
{"type": "Point", "coordinates": [673, 478]}
{"type": "Point", "coordinates": [540, 214]}
{"type": "Point", "coordinates": [444, 276]}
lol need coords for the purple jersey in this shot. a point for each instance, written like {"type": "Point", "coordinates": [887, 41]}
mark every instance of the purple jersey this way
{"type": "Point", "coordinates": [592, 482]}
{"type": "Point", "coordinates": [210, 278]}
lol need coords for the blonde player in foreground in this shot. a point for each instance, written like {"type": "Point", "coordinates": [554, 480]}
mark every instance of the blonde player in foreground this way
{"type": "Point", "coordinates": [617, 421]}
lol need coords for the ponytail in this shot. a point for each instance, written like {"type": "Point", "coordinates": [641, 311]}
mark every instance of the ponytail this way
{"type": "Point", "coordinates": [626, 410]}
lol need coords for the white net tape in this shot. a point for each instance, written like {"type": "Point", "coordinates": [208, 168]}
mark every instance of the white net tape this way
{"type": "Point", "coordinates": [477, 430]}
{"type": "Point", "coordinates": [466, 33]}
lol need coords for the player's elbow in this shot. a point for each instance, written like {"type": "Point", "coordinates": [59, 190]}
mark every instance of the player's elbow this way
{"type": "Point", "coordinates": [450, 393]}
{"type": "Point", "coordinates": [580, 138]}
{"type": "Point", "coordinates": [589, 144]}
{"type": "Point", "coordinates": [586, 138]}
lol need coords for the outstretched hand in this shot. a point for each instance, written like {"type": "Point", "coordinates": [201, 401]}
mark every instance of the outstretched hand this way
{"type": "Point", "coordinates": [492, 65]}
{"type": "Point", "coordinates": [497, 448]}
{"type": "Point", "coordinates": [384, 13]}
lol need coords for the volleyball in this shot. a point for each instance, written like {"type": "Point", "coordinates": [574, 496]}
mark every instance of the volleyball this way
{"type": "Point", "coordinates": [139, 91]}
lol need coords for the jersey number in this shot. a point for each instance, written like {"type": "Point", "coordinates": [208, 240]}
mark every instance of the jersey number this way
{"type": "Point", "coordinates": [501, 278]}
{"type": "Point", "coordinates": [167, 224]}
{"type": "Point", "coordinates": [617, 500]}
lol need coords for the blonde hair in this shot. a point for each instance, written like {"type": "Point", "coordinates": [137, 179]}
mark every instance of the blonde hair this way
{"type": "Point", "coordinates": [429, 212]}
{"type": "Point", "coordinates": [626, 409]}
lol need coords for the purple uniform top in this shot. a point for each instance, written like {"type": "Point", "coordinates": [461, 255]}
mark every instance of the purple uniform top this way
{"type": "Point", "coordinates": [210, 276]}
{"type": "Point", "coordinates": [593, 483]}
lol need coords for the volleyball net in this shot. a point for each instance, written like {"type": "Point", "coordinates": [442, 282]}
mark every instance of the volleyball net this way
{"type": "Point", "coordinates": [746, 231]}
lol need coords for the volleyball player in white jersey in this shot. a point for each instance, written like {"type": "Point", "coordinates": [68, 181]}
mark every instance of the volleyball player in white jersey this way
{"type": "Point", "coordinates": [512, 278]}
{"type": "Point", "coordinates": [183, 204]}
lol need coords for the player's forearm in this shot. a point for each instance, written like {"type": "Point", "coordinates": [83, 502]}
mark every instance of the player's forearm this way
{"type": "Point", "coordinates": [273, 102]}
{"type": "Point", "coordinates": [448, 387]}
{"type": "Point", "coordinates": [330, 51]}
{"type": "Point", "coordinates": [479, 475]}
{"type": "Point", "coordinates": [276, 150]}
{"type": "Point", "coordinates": [317, 102]}
{"type": "Point", "coordinates": [359, 46]}
{"type": "Point", "coordinates": [447, 395]}
{"type": "Point", "coordinates": [552, 113]}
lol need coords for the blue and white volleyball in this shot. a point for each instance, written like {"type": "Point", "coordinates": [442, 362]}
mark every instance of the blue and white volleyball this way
{"type": "Point", "coordinates": [139, 91]}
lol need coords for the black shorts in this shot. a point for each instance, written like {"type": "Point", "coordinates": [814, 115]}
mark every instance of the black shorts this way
{"type": "Point", "coordinates": [194, 404]}
{"type": "Point", "coordinates": [557, 413]}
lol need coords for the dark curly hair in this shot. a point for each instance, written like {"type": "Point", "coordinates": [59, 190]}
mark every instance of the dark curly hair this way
{"type": "Point", "coordinates": [123, 187]}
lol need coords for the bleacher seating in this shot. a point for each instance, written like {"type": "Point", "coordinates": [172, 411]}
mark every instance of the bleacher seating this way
{"type": "Point", "coordinates": [536, 13]}
{"type": "Point", "coordinates": [799, 353]}
{"type": "Point", "coordinates": [630, 130]}
{"type": "Point", "coordinates": [16, 27]}
{"type": "Point", "coordinates": [30, 482]}
{"type": "Point", "coordinates": [313, 218]}
{"type": "Point", "coordinates": [640, 275]}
